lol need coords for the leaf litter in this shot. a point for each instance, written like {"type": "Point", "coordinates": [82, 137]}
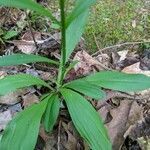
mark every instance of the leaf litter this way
{"type": "Point", "coordinates": [126, 115]}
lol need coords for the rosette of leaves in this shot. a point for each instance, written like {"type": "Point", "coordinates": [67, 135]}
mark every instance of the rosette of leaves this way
{"type": "Point", "coordinates": [22, 132]}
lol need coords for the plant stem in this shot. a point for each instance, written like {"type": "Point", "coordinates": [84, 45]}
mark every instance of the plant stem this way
{"type": "Point", "coordinates": [63, 43]}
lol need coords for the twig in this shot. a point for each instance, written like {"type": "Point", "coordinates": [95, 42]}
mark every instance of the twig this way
{"type": "Point", "coordinates": [30, 28]}
{"type": "Point", "coordinates": [117, 46]}
{"type": "Point", "coordinates": [116, 94]}
{"type": "Point", "coordinates": [97, 43]}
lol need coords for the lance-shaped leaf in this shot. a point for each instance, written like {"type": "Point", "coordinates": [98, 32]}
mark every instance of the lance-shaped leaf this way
{"type": "Point", "coordinates": [86, 120]}
{"type": "Point", "coordinates": [86, 88]}
{"type": "Point", "coordinates": [18, 59]}
{"type": "Point", "coordinates": [51, 112]}
{"type": "Point", "coordinates": [120, 81]}
{"type": "Point", "coordinates": [29, 4]}
{"type": "Point", "coordinates": [80, 7]}
{"type": "Point", "coordinates": [22, 132]}
{"type": "Point", "coordinates": [14, 82]}
{"type": "Point", "coordinates": [74, 32]}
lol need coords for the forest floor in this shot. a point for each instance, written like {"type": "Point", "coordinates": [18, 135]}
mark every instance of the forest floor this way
{"type": "Point", "coordinates": [117, 37]}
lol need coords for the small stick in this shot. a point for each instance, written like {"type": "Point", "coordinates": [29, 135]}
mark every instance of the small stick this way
{"type": "Point", "coordinates": [116, 94]}
{"type": "Point", "coordinates": [117, 46]}
{"type": "Point", "coordinates": [99, 50]}
{"type": "Point", "coordinates": [31, 31]}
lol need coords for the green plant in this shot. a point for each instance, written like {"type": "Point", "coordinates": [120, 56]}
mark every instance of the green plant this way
{"type": "Point", "coordinates": [22, 132]}
{"type": "Point", "coordinates": [6, 35]}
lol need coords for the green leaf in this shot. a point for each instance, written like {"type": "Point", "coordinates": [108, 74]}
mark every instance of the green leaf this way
{"type": "Point", "coordinates": [120, 81]}
{"type": "Point", "coordinates": [17, 59]}
{"type": "Point", "coordinates": [86, 88]}
{"type": "Point", "coordinates": [22, 132]}
{"type": "Point", "coordinates": [14, 82]}
{"type": "Point", "coordinates": [86, 120]}
{"type": "Point", "coordinates": [74, 32]}
{"type": "Point", "coordinates": [10, 34]}
{"type": "Point", "coordinates": [55, 26]}
{"type": "Point", "coordinates": [51, 113]}
{"type": "Point", "coordinates": [81, 6]}
{"type": "Point", "coordinates": [29, 4]}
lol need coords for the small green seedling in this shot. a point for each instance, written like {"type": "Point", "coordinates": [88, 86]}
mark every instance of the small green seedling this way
{"type": "Point", "coordinates": [22, 132]}
{"type": "Point", "coordinates": [6, 35]}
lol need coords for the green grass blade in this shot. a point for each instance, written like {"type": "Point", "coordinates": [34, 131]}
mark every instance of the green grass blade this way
{"type": "Point", "coordinates": [14, 82]}
{"type": "Point", "coordinates": [81, 6]}
{"type": "Point", "coordinates": [51, 112]}
{"type": "Point", "coordinates": [120, 81]}
{"type": "Point", "coordinates": [18, 59]}
{"type": "Point", "coordinates": [29, 4]}
{"type": "Point", "coordinates": [22, 132]}
{"type": "Point", "coordinates": [86, 120]}
{"type": "Point", "coordinates": [74, 32]}
{"type": "Point", "coordinates": [86, 88]}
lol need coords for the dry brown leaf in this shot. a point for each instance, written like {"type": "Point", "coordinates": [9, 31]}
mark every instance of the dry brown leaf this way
{"type": "Point", "coordinates": [136, 114]}
{"type": "Point", "coordinates": [11, 98]}
{"type": "Point", "coordinates": [115, 58]}
{"type": "Point", "coordinates": [117, 126]}
{"type": "Point", "coordinates": [140, 128]}
{"type": "Point", "coordinates": [26, 44]}
{"type": "Point", "coordinates": [2, 74]}
{"type": "Point", "coordinates": [72, 140]}
{"type": "Point", "coordinates": [123, 54]}
{"type": "Point", "coordinates": [120, 120]}
{"type": "Point", "coordinates": [30, 99]}
{"type": "Point", "coordinates": [43, 134]}
{"type": "Point", "coordinates": [105, 113]}
{"type": "Point", "coordinates": [103, 59]}
{"type": "Point", "coordinates": [5, 117]}
{"type": "Point", "coordinates": [86, 63]}
{"type": "Point", "coordinates": [47, 75]}
{"type": "Point", "coordinates": [135, 69]}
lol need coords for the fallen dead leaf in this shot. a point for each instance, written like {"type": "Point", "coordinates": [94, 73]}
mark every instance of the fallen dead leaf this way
{"type": "Point", "coordinates": [135, 69]}
{"type": "Point", "coordinates": [11, 98]}
{"type": "Point", "coordinates": [47, 75]}
{"type": "Point", "coordinates": [105, 114]}
{"type": "Point", "coordinates": [136, 114]}
{"type": "Point", "coordinates": [140, 128]}
{"type": "Point", "coordinates": [115, 58]}
{"type": "Point", "coordinates": [30, 99]}
{"type": "Point", "coordinates": [103, 59]}
{"type": "Point", "coordinates": [86, 63]}
{"type": "Point", "coordinates": [72, 139]}
{"type": "Point", "coordinates": [2, 74]}
{"type": "Point", "coordinates": [117, 126]}
{"type": "Point", "coordinates": [27, 44]}
{"type": "Point", "coordinates": [43, 134]}
{"type": "Point", "coordinates": [5, 117]}
{"type": "Point", "coordinates": [123, 54]}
